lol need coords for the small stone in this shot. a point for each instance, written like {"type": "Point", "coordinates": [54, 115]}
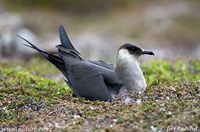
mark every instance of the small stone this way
{"type": "Point", "coordinates": [154, 129]}
{"type": "Point", "coordinates": [169, 112]}
{"type": "Point", "coordinates": [172, 88]}
{"type": "Point", "coordinates": [138, 101]}
{"type": "Point", "coordinates": [127, 100]}
{"type": "Point", "coordinates": [76, 116]}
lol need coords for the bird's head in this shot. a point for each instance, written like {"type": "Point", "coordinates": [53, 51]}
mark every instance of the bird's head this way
{"type": "Point", "coordinates": [134, 50]}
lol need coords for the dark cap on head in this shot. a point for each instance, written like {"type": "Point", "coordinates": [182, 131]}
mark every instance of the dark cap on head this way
{"type": "Point", "coordinates": [135, 50]}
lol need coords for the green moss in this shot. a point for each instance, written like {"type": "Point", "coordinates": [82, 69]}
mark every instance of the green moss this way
{"type": "Point", "coordinates": [157, 72]}
{"type": "Point", "coordinates": [20, 89]}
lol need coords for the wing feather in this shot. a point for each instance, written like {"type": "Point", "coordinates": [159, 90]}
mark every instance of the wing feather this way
{"type": "Point", "coordinates": [89, 82]}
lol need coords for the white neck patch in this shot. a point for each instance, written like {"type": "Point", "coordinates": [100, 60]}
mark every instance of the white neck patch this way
{"type": "Point", "coordinates": [124, 56]}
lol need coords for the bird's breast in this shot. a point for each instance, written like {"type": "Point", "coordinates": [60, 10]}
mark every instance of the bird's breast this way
{"type": "Point", "coordinates": [131, 74]}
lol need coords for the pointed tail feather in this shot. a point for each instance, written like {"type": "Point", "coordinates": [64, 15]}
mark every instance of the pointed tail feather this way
{"type": "Point", "coordinates": [57, 61]}
{"type": "Point", "coordinates": [65, 41]}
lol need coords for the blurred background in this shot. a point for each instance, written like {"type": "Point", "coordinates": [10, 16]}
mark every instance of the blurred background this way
{"type": "Point", "coordinates": [97, 28]}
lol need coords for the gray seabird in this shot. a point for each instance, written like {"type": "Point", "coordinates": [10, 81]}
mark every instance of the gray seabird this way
{"type": "Point", "coordinates": [97, 80]}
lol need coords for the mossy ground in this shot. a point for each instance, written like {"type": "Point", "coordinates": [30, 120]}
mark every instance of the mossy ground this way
{"type": "Point", "coordinates": [28, 99]}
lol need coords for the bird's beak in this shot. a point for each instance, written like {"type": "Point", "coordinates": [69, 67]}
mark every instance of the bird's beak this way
{"type": "Point", "coordinates": [148, 52]}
